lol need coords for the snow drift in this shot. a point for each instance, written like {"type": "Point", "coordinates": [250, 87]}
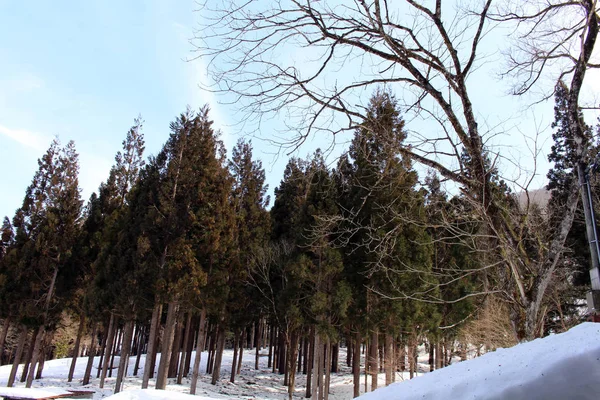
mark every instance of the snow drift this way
{"type": "Point", "coordinates": [563, 366]}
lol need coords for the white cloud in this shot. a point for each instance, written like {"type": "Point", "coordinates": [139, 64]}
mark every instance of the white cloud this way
{"type": "Point", "coordinates": [34, 140]}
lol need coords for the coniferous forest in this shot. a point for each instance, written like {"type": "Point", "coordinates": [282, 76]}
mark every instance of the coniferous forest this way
{"type": "Point", "coordinates": [183, 250]}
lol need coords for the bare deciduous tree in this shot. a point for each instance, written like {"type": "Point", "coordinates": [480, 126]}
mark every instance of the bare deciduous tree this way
{"type": "Point", "coordinates": [281, 56]}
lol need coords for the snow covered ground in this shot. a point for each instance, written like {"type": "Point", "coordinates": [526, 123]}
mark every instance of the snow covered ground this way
{"type": "Point", "coordinates": [250, 384]}
{"type": "Point", "coordinates": [565, 366]}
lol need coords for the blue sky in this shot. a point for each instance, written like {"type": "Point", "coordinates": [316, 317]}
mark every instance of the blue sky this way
{"type": "Point", "coordinates": [83, 70]}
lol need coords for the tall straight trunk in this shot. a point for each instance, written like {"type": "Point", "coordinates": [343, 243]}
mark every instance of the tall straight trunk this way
{"type": "Point", "coordinates": [216, 374]}
{"type": "Point", "coordinates": [140, 348]}
{"type": "Point", "coordinates": [116, 347]}
{"type": "Point", "coordinates": [300, 354]}
{"type": "Point", "coordinates": [291, 369]}
{"type": "Point", "coordinates": [102, 350]}
{"type": "Point", "coordinates": [186, 338]}
{"type": "Point", "coordinates": [402, 355]}
{"type": "Point", "coordinates": [349, 350]}
{"type": "Point", "coordinates": [317, 368]}
{"type": "Point", "coordinates": [236, 342]}
{"type": "Point", "coordinates": [29, 354]}
{"type": "Point", "coordinates": [44, 353]}
{"type": "Point", "coordinates": [152, 339]}
{"type": "Point", "coordinates": [306, 343]}
{"type": "Point", "coordinates": [174, 363]}
{"type": "Point", "coordinates": [270, 356]}
{"type": "Point", "coordinates": [431, 357]}
{"type": "Point", "coordinates": [18, 353]}
{"type": "Point", "coordinates": [335, 355]}
{"type": "Point", "coordinates": [438, 355]}
{"type": "Point", "coordinates": [167, 345]}
{"type": "Point", "coordinates": [3, 335]}
{"type": "Point", "coordinates": [367, 363]}
{"type": "Point", "coordinates": [328, 362]}
{"type": "Point", "coordinates": [76, 347]}
{"type": "Point", "coordinates": [281, 354]}
{"type": "Point", "coordinates": [356, 364]}
{"type": "Point", "coordinates": [211, 349]}
{"type": "Point", "coordinates": [257, 357]}
{"type": "Point", "coordinates": [110, 338]}
{"type": "Point", "coordinates": [374, 359]}
{"type": "Point", "coordinates": [275, 351]}
{"type": "Point", "coordinates": [199, 348]}
{"type": "Point", "coordinates": [389, 358]}
{"type": "Point", "coordinates": [311, 355]}
{"type": "Point", "coordinates": [37, 351]}
{"type": "Point", "coordinates": [241, 355]}
{"type": "Point", "coordinates": [91, 354]}
{"type": "Point", "coordinates": [189, 348]}
{"type": "Point", "coordinates": [125, 350]}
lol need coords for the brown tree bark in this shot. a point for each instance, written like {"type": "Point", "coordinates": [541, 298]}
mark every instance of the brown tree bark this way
{"type": "Point", "coordinates": [37, 350]}
{"type": "Point", "coordinates": [236, 340]}
{"type": "Point", "coordinates": [389, 358]}
{"type": "Point", "coordinates": [199, 349]}
{"type": "Point", "coordinates": [374, 359]}
{"type": "Point", "coordinates": [310, 361]}
{"type": "Point", "coordinates": [102, 349]}
{"type": "Point", "coordinates": [29, 354]}
{"type": "Point", "coordinates": [152, 341]}
{"type": "Point", "coordinates": [140, 348]}
{"type": "Point", "coordinates": [91, 355]}
{"type": "Point", "coordinates": [186, 338]}
{"type": "Point", "coordinates": [241, 356]}
{"type": "Point", "coordinates": [116, 346]}
{"type": "Point", "coordinates": [3, 335]}
{"type": "Point", "coordinates": [76, 347]}
{"type": "Point", "coordinates": [18, 353]}
{"type": "Point", "coordinates": [356, 364]}
{"type": "Point", "coordinates": [216, 373]}
{"type": "Point", "coordinates": [167, 345]}
{"type": "Point", "coordinates": [174, 363]}
{"type": "Point", "coordinates": [125, 351]}
{"type": "Point", "coordinates": [110, 338]}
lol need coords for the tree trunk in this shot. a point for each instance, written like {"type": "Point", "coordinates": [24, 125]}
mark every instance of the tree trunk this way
{"type": "Point", "coordinates": [211, 349]}
{"type": "Point", "coordinates": [270, 356]}
{"type": "Point", "coordinates": [199, 349]}
{"type": "Point", "coordinates": [125, 350]}
{"type": "Point", "coordinates": [389, 358]}
{"type": "Point", "coordinates": [102, 350]}
{"type": "Point", "coordinates": [140, 348]}
{"type": "Point", "coordinates": [236, 342]}
{"type": "Point", "coordinates": [29, 354]}
{"type": "Point", "coordinates": [291, 369]}
{"type": "Point", "coordinates": [257, 357]}
{"type": "Point", "coordinates": [3, 335]}
{"type": "Point", "coordinates": [328, 362]}
{"type": "Point", "coordinates": [311, 357]}
{"type": "Point", "coordinates": [216, 374]}
{"type": "Point", "coordinates": [431, 356]}
{"type": "Point", "coordinates": [150, 354]}
{"type": "Point", "coordinates": [17, 359]}
{"type": "Point", "coordinates": [240, 357]}
{"type": "Point", "coordinates": [174, 363]}
{"type": "Point", "coordinates": [116, 346]}
{"type": "Point", "coordinates": [374, 359]}
{"type": "Point", "coordinates": [110, 338]}
{"type": "Point", "coordinates": [438, 355]}
{"type": "Point", "coordinates": [76, 347]}
{"type": "Point", "coordinates": [317, 367]}
{"type": "Point", "coordinates": [37, 350]}
{"type": "Point", "coordinates": [402, 355]}
{"type": "Point", "coordinates": [186, 338]}
{"type": "Point", "coordinates": [167, 346]}
{"type": "Point", "coordinates": [91, 355]}
{"type": "Point", "coordinates": [189, 348]}
{"type": "Point", "coordinates": [356, 364]}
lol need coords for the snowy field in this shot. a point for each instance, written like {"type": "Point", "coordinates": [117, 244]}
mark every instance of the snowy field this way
{"type": "Point", "coordinates": [565, 366]}
{"type": "Point", "coordinates": [250, 384]}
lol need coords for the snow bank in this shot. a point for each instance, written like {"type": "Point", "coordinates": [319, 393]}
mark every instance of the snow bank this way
{"type": "Point", "coordinates": [151, 394]}
{"type": "Point", "coordinates": [564, 366]}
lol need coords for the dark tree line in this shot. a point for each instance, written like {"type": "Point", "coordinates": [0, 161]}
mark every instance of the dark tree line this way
{"type": "Point", "coordinates": [179, 253]}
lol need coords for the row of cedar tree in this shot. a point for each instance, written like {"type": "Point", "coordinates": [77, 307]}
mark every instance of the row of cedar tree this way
{"type": "Point", "coordinates": [180, 252]}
